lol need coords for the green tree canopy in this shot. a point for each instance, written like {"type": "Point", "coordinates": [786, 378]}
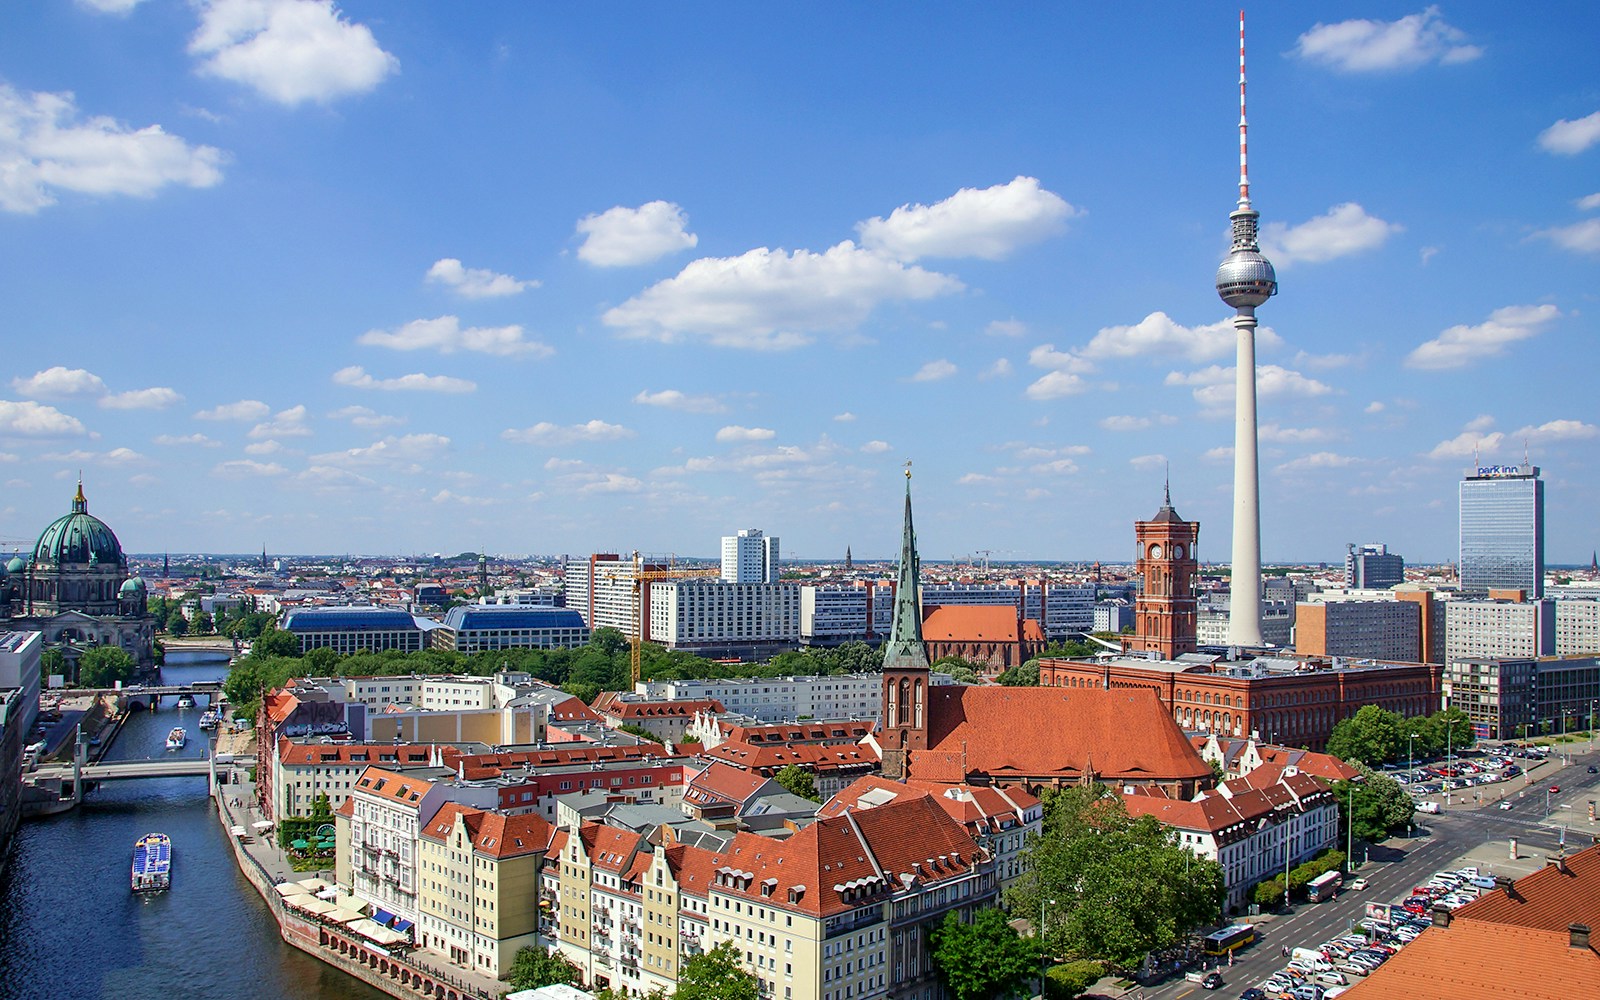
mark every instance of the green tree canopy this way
{"type": "Point", "coordinates": [716, 975]}
{"type": "Point", "coordinates": [1111, 887]}
{"type": "Point", "coordinates": [962, 670]}
{"type": "Point", "coordinates": [535, 967]}
{"type": "Point", "coordinates": [103, 666]}
{"type": "Point", "coordinates": [983, 959]}
{"type": "Point", "coordinates": [276, 642]}
{"type": "Point", "coordinates": [1023, 675]}
{"type": "Point", "coordinates": [798, 781]}
{"type": "Point", "coordinates": [1372, 736]}
{"type": "Point", "coordinates": [1378, 805]}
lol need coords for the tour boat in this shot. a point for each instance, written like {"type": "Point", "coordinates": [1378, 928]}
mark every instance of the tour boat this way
{"type": "Point", "coordinates": [185, 701]}
{"type": "Point", "coordinates": [152, 862]}
{"type": "Point", "coordinates": [210, 719]}
{"type": "Point", "coordinates": [177, 738]}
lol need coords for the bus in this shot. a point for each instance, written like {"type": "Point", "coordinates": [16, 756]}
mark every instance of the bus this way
{"type": "Point", "coordinates": [1229, 939]}
{"type": "Point", "coordinates": [1324, 887]}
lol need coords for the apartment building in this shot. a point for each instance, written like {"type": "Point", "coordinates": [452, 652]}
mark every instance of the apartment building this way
{"type": "Point", "coordinates": [714, 617]}
{"type": "Point", "coordinates": [1577, 626]}
{"type": "Point", "coordinates": [1384, 630]}
{"type": "Point", "coordinates": [387, 811]}
{"type": "Point", "coordinates": [665, 720]}
{"type": "Point", "coordinates": [1511, 697]}
{"type": "Point", "coordinates": [835, 613]}
{"type": "Point", "coordinates": [1505, 626]}
{"type": "Point", "coordinates": [785, 699]}
{"type": "Point", "coordinates": [303, 770]}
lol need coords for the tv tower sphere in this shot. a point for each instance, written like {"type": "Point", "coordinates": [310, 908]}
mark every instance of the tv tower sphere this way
{"type": "Point", "coordinates": [1246, 278]}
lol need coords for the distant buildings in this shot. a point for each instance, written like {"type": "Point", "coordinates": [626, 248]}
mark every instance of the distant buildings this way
{"type": "Point", "coordinates": [1372, 567]}
{"type": "Point", "coordinates": [750, 557]}
{"type": "Point", "coordinates": [355, 629]}
{"type": "Point", "coordinates": [715, 618]}
{"type": "Point", "coordinates": [1502, 529]}
{"type": "Point", "coordinates": [473, 628]}
{"type": "Point", "coordinates": [1509, 697]}
{"type": "Point", "coordinates": [1504, 625]}
{"type": "Point", "coordinates": [782, 699]}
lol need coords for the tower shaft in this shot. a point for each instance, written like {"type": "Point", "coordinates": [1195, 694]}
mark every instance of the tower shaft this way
{"type": "Point", "coordinates": [1244, 602]}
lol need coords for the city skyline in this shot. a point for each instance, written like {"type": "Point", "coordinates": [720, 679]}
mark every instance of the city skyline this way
{"type": "Point", "coordinates": [533, 281]}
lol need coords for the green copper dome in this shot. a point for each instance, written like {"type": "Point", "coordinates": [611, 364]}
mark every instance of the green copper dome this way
{"type": "Point", "coordinates": [16, 565]}
{"type": "Point", "coordinates": [132, 587]}
{"type": "Point", "coordinates": [78, 538]}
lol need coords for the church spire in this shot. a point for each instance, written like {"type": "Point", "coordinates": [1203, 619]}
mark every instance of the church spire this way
{"type": "Point", "coordinates": [79, 504]}
{"type": "Point", "coordinates": [905, 649]}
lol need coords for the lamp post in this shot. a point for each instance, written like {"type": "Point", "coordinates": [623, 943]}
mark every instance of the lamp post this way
{"type": "Point", "coordinates": [1350, 829]}
{"type": "Point", "coordinates": [1044, 958]}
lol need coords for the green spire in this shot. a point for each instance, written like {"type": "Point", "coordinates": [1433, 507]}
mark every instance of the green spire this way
{"type": "Point", "coordinates": [905, 650]}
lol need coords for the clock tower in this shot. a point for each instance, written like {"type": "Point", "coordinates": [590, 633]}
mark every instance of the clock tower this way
{"type": "Point", "coordinates": [1164, 617]}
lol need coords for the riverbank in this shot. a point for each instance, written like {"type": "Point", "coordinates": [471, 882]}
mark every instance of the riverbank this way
{"type": "Point", "coordinates": [404, 976]}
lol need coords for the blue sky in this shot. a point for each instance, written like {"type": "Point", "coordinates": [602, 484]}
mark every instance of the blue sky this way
{"type": "Point", "coordinates": [409, 277]}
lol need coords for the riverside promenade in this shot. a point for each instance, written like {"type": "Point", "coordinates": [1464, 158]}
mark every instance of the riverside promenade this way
{"type": "Point", "coordinates": [408, 974]}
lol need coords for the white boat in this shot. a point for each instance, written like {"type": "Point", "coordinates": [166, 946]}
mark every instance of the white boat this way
{"type": "Point", "coordinates": [210, 719]}
{"type": "Point", "coordinates": [185, 701]}
{"type": "Point", "coordinates": [177, 738]}
{"type": "Point", "coordinates": [152, 862]}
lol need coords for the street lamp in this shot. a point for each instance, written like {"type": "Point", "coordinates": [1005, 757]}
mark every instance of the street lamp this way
{"type": "Point", "coordinates": [1350, 829]}
{"type": "Point", "coordinates": [1044, 958]}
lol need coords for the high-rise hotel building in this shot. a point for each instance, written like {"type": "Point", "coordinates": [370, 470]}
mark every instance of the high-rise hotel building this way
{"type": "Point", "coordinates": [1502, 529]}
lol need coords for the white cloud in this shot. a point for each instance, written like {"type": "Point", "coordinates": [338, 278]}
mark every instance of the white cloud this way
{"type": "Point", "coordinates": [45, 148]}
{"type": "Point", "coordinates": [1218, 454]}
{"type": "Point", "coordinates": [1055, 385]}
{"type": "Point", "coordinates": [674, 399]}
{"type": "Point", "coordinates": [1481, 422]}
{"type": "Point", "coordinates": [770, 300]}
{"type": "Point", "coordinates": [875, 447]}
{"type": "Point", "coordinates": [845, 418]}
{"type": "Point", "coordinates": [1557, 430]}
{"type": "Point", "coordinates": [1580, 237]}
{"type": "Point", "coordinates": [1374, 407]}
{"type": "Point", "coordinates": [244, 468]}
{"type": "Point", "coordinates": [1362, 46]}
{"type": "Point", "coordinates": [1461, 345]}
{"type": "Point", "coordinates": [1324, 361]}
{"type": "Point", "coordinates": [1157, 335]}
{"type": "Point", "coordinates": [244, 409]}
{"type": "Point", "coordinates": [1006, 328]}
{"type": "Point", "coordinates": [1059, 466]}
{"type": "Point", "coordinates": [330, 479]}
{"type": "Point", "coordinates": [933, 371]}
{"type": "Point", "coordinates": [622, 237]}
{"type": "Point", "coordinates": [612, 482]}
{"type": "Point", "coordinates": [475, 283]}
{"type": "Point", "coordinates": [552, 434]}
{"type": "Point", "coordinates": [737, 433]}
{"type": "Point", "coordinates": [1341, 231]}
{"type": "Point", "coordinates": [110, 6]}
{"type": "Point", "coordinates": [284, 423]}
{"type": "Point", "coordinates": [1046, 356]}
{"type": "Point", "coordinates": [446, 336]}
{"type": "Point", "coordinates": [116, 456]}
{"type": "Point", "coordinates": [1588, 202]}
{"type": "Point", "coordinates": [60, 383]}
{"type": "Point", "coordinates": [263, 448]}
{"type": "Point", "coordinates": [30, 419]}
{"type": "Point", "coordinates": [445, 496]}
{"type": "Point", "coordinates": [1294, 435]}
{"type": "Point", "coordinates": [1214, 386]}
{"type": "Point", "coordinates": [976, 479]}
{"type": "Point", "coordinates": [1146, 462]}
{"type": "Point", "coordinates": [362, 416]}
{"type": "Point", "coordinates": [155, 398]}
{"type": "Point", "coordinates": [186, 440]}
{"type": "Point", "coordinates": [989, 223]}
{"type": "Point", "coordinates": [1125, 423]}
{"type": "Point", "coordinates": [356, 377]}
{"type": "Point", "coordinates": [1466, 444]}
{"type": "Point", "coordinates": [289, 51]}
{"type": "Point", "coordinates": [1000, 369]}
{"type": "Point", "coordinates": [406, 452]}
{"type": "Point", "coordinates": [1318, 460]}
{"type": "Point", "coordinates": [1571, 137]}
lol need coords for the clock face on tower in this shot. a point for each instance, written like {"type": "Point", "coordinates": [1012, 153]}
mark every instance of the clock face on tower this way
{"type": "Point", "coordinates": [1155, 551]}
{"type": "Point", "coordinates": [1177, 552]}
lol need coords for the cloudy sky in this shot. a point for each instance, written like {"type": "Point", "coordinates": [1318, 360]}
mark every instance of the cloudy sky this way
{"type": "Point", "coordinates": [391, 276]}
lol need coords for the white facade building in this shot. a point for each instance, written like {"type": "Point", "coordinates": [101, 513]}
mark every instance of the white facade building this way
{"type": "Point", "coordinates": [711, 614]}
{"type": "Point", "coordinates": [1577, 626]}
{"type": "Point", "coordinates": [785, 699]}
{"type": "Point", "coordinates": [836, 613]}
{"type": "Point", "coordinates": [750, 557]}
{"type": "Point", "coordinates": [1499, 629]}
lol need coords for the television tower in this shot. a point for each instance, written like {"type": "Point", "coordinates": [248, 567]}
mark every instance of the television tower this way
{"type": "Point", "coordinates": [1245, 280]}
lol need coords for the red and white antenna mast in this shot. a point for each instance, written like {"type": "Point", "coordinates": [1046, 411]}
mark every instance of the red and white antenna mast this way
{"type": "Point", "coordinates": [1244, 172]}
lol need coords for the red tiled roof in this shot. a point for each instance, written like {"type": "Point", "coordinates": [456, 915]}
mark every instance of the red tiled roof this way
{"type": "Point", "coordinates": [721, 782]}
{"type": "Point", "coordinates": [491, 765]}
{"type": "Point", "coordinates": [393, 785]}
{"type": "Point", "coordinates": [977, 623]}
{"type": "Point", "coordinates": [789, 733]}
{"type": "Point", "coordinates": [1020, 733]}
{"type": "Point", "coordinates": [808, 756]}
{"type": "Point", "coordinates": [631, 710]}
{"type": "Point", "coordinates": [292, 754]}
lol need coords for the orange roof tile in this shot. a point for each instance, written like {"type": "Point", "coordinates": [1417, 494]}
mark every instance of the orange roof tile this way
{"type": "Point", "coordinates": [973, 623]}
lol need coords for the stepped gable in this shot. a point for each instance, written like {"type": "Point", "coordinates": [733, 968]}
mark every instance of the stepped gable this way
{"type": "Point", "coordinates": [1025, 733]}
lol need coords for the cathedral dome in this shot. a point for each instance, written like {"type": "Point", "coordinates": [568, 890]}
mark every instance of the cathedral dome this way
{"type": "Point", "coordinates": [78, 538]}
{"type": "Point", "coordinates": [132, 587]}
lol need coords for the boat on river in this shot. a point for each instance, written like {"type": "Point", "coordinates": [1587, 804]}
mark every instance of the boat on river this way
{"type": "Point", "coordinates": [210, 719]}
{"type": "Point", "coordinates": [185, 701]}
{"type": "Point", "coordinates": [152, 862]}
{"type": "Point", "coordinates": [177, 738]}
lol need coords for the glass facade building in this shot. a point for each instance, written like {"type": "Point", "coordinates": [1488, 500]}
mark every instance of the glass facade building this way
{"type": "Point", "coordinates": [1502, 529]}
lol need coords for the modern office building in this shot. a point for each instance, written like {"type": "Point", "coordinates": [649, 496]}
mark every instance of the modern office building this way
{"type": "Point", "coordinates": [1372, 567]}
{"type": "Point", "coordinates": [1380, 630]}
{"type": "Point", "coordinates": [750, 557]}
{"type": "Point", "coordinates": [355, 629]}
{"type": "Point", "coordinates": [1502, 529]}
{"type": "Point", "coordinates": [717, 618]}
{"type": "Point", "coordinates": [1577, 626]}
{"type": "Point", "coordinates": [1505, 625]}
{"type": "Point", "coordinates": [473, 628]}
{"type": "Point", "coordinates": [1524, 696]}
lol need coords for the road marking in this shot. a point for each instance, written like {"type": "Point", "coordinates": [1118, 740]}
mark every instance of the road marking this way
{"type": "Point", "coordinates": [1185, 993]}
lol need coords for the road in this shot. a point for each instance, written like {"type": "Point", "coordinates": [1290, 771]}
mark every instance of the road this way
{"type": "Point", "coordinates": [1478, 834]}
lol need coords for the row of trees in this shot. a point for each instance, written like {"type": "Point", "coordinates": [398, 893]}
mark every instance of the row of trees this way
{"type": "Point", "coordinates": [1376, 736]}
{"type": "Point", "coordinates": [242, 621]}
{"type": "Point", "coordinates": [1270, 892]}
{"type": "Point", "coordinates": [1377, 805]}
{"type": "Point", "coordinates": [713, 975]}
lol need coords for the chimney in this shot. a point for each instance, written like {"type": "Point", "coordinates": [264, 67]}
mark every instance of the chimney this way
{"type": "Point", "coordinates": [1441, 916]}
{"type": "Point", "coordinates": [1579, 935]}
{"type": "Point", "coordinates": [1507, 883]}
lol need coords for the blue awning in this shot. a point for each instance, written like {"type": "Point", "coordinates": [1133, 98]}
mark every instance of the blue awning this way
{"type": "Point", "coordinates": [383, 916]}
{"type": "Point", "coordinates": [402, 926]}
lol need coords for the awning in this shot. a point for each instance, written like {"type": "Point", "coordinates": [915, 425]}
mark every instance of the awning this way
{"type": "Point", "coordinates": [262, 824]}
{"type": "Point", "coordinates": [382, 916]}
{"type": "Point", "coordinates": [376, 932]}
{"type": "Point", "coordinates": [237, 831]}
{"type": "Point", "coordinates": [311, 904]}
{"type": "Point", "coordinates": [340, 915]}
{"type": "Point", "coordinates": [331, 892]}
{"type": "Point", "coordinates": [402, 926]}
{"type": "Point", "coordinates": [341, 898]}
{"type": "Point", "coordinates": [315, 884]}
{"type": "Point", "coordinates": [290, 889]}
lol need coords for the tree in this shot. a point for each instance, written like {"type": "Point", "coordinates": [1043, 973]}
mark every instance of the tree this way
{"type": "Point", "coordinates": [1071, 980]}
{"type": "Point", "coordinates": [1112, 887]}
{"type": "Point", "coordinates": [276, 642]}
{"type": "Point", "coordinates": [534, 967]}
{"type": "Point", "coordinates": [176, 623]}
{"type": "Point", "coordinates": [1372, 736]}
{"type": "Point", "coordinates": [52, 662]}
{"type": "Point", "coordinates": [983, 959]}
{"type": "Point", "coordinates": [961, 670]}
{"type": "Point", "coordinates": [202, 624]}
{"type": "Point", "coordinates": [717, 975]}
{"type": "Point", "coordinates": [799, 782]}
{"type": "Point", "coordinates": [1023, 675]}
{"type": "Point", "coordinates": [1377, 804]}
{"type": "Point", "coordinates": [103, 666]}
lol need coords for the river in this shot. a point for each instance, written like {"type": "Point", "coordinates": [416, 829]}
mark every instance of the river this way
{"type": "Point", "coordinates": [70, 929]}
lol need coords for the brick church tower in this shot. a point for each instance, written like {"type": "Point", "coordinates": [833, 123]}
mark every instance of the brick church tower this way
{"type": "Point", "coordinates": [905, 663]}
{"type": "Point", "coordinates": [1164, 617]}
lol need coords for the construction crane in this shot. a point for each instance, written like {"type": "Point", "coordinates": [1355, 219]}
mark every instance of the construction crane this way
{"type": "Point", "coordinates": [641, 578]}
{"type": "Point", "coordinates": [986, 553]}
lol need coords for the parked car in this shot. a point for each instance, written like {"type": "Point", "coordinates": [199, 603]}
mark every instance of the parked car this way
{"type": "Point", "coordinates": [1253, 994]}
{"type": "Point", "coordinates": [1593, 769]}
